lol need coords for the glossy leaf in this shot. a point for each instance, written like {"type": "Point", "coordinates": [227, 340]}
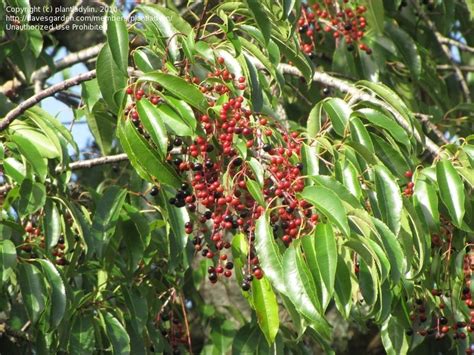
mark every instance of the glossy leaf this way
{"type": "Point", "coordinates": [82, 339]}
{"type": "Point", "coordinates": [117, 38]}
{"type": "Point", "coordinates": [266, 307]}
{"type": "Point", "coordinates": [268, 253]}
{"type": "Point", "coordinates": [32, 289]}
{"type": "Point", "coordinates": [7, 259]}
{"type": "Point", "coordinates": [154, 125]}
{"type": "Point", "coordinates": [256, 191]}
{"type": "Point", "coordinates": [425, 200]}
{"type": "Point", "coordinates": [52, 224]}
{"type": "Point", "coordinates": [179, 88]}
{"type": "Point", "coordinates": [329, 204]}
{"type": "Point", "coordinates": [301, 289]}
{"type": "Point", "coordinates": [32, 155]}
{"type": "Point", "coordinates": [339, 112]}
{"type": "Point", "coordinates": [32, 197]}
{"type": "Point", "coordinates": [261, 17]}
{"type": "Point", "coordinates": [451, 190]}
{"type": "Point", "coordinates": [389, 198]}
{"type": "Point", "coordinates": [117, 335]}
{"type": "Point", "coordinates": [320, 251]}
{"type": "Point", "coordinates": [58, 292]}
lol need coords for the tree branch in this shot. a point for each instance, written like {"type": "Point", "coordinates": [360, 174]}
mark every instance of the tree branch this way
{"type": "Point", "coordinates": [442, 42]}
{"type": "Point", "coordinates": [453, 42]}
{"type": "Point", "coordinates": [360, 95]}
{"type": "Point", "coordinates": [25, 105]}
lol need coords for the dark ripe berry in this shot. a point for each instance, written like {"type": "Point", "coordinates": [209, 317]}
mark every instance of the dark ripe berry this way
{"type": "Point", "coordinates": [466, 290]}
{"type": "Point", "coordinates": [299, 166]}
{"type": "Point", "coordinates": [204, 252]}
{"type": "Point", "coordinates": [177, 161]}
{"type": "Point", "coordinates": [237, 161]}
{"type": "Point", "coordinates": [244, 214]}
{"type": "Point", "coordinates": [208, 214]}
{"type": "Point", "coordinates": [245, 286]}
{"type": "Point", "coordinates": [229, 265]}
{"type": "Point", "coordinates": [422, 318]}
{"type": "Point", "coordinates": [154, 191]}
{"type": "Point", "coordinates": [213, 277]}
{"type": "Point", "coordinates": [303, 28]}
{"type": "Point", "coordinates": [228, 218]}
{"type": "Point", "coordinates": [409, 332]}
{"type": "Point", "coordinates": [177, 142]}
{"type": "Point", "coordinates": [443, 320]}
{"type": "Point", "coordinates": [172, 200]}
{"type": "Point", "coordinates": [419, 302]}
{"type": "Point", "coordinates": [348, 27]}
{"type": "Point", "coordinates": [184, 186]}
{"type": "Point", "coordinates": [61, 240]}
{"type": "Point", "coordinates": [267, 147]}
{"type": "Point", "coordinates": [350, 47]}
{"type": "Point", "coordinates": [209, 148]}
{"type": "Point", "coordinates": [180, 203]}
{"type": "Point", "coordinates": [326, 91]}
{"type": "Point", "coordinates": [249, 278]}
{"type": "Point", "coordinates": [209, 164]}
{"type": "Point", "coordinates": [197, 167]}
{"type": "Point", "coordinates": [188, 224]}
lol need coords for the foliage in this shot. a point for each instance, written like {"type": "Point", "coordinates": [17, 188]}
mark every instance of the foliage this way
{"type": "Point", "coordinates": [250, 169]}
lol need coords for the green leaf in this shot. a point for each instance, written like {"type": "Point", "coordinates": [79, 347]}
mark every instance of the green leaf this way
{"type": "Point", "coordinates": [406, 46]}
{"type": "Point", "coordinates": [154, 125]}
{"type": "Point", "coordinates": [146, 60]}
{"type": "Point", "coordinates": [245, 339]}
{"type": "Point", "coordinates": [32, 197]}
{"type": "Point", "coordinates": [32, 155]}
{"type": "Point", "coordinates": [297, 58]}
{"type": "Point", "coordinates": [255, 88]}
{"type": "Point", "coordinates": [258, 171]}
{"type": "Point", "coordinates": [102, 123]}
{"type": "Point", "coordinates": [266, 307]}
{"type": "Point", "coordinates": [261, 18]}
{"type": "Point", "coordinates": [313, 125]}
{"type": "Point", "coordinates": [309, 156]}
{"type": "Point", "coordinates": [173, 121]}
{"type": "Point", "coordinates": [425, 200]}
{"type": "Point", "coordinates": [389, 198]}
{"type": "Point", "coordinates": [82, 338]}
{"type": "Point", "coordinates": [106, 215]}
{"type": "Point", "coordinates": [332, 184]}
{"type": "Point", "coordinates": [46, 147]}
{"type": "Point", "coordinates": [32, 290]}
{"type": "Point", "coordinates": [451, 190]}
{"type": "Point", "coordinates": [375, 15]}
{"type": "Point", "coordinates": [339, 113]}
{"type": "Point", "coordinates": [256, 191]}
{"type": "Point", "coordinates": [268, 253]}
{"type": "Point", "coordinates": [320, 251]}
{"type": "Point", "coordinates": [7, 259]}
{"type": "Point", "coordinates": [301, 289]}
{"type": "Point", "coordinates": [378, 119]}
{"type": "Point", "coordinates": [184, 110]}
{"type": "Point", "coordinates": [58, 292]}
{"type": "Point", "coordinates": [110, 78]}
{"type": "Point", "coordinates": [138, 308]}
{"type": "Point", "coordinates": [179, 88]}
{"type": "Point", "coordinates": [51, 224]}
{"type": "Point", "coordinates": [343, 288]}
{"type": "Point", "coordinates": [143, 158]}
{"type": "Point", "coordinates": [162, 27]}
{"type": "Point", "coordinates": [117, 38]}
{"type": "Point", "coordinates": [393, 337]}
{"type": "Point", "coordinates": [117, 334]}
{"type": "Point", "coordinates": [329, 204]}
{"type": "Point", "coordinates": [360, 134]}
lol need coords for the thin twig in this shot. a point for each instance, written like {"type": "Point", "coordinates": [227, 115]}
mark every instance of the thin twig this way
{"type": "Point", "coordinates": [466, 68]}
{"type": "Point", "coordinates": [186, 324]}
{"type": "Point", "coordinates": [425, 119]}
{"type": "Point", "coordinates": [83, 164]}
{"type": "Point", "coordinates": [453, 42]}
{"type": "Point", "coordinates": [33, 100]}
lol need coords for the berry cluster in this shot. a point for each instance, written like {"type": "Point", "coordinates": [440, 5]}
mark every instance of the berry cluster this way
{"type": "Point", "coordinates": [34, 240]}
{"type": "Point", "coordinates": [341, 20]}
{"type": "Point", "coordinates": [408, 191]}
{"type": "Point", "coordinates": [220, 168]}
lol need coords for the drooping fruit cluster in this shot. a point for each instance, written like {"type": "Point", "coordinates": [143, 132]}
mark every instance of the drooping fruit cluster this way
{"type": "Point", "coordinates": [34, 242]}
{"type": "Point", "coordinates": [408, 191]}
{"type": "Point", "coordinates": [341, 20]}
{"type": "Point", "coordinates": [240, 164]}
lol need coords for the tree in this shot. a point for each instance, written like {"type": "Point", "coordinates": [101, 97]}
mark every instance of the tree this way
{"type": "Point", "coordinates": [271, 172]}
